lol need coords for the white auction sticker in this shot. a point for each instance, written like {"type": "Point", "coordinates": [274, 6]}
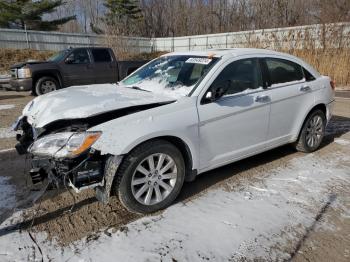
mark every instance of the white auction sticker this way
{"type": "Point", "coordinates": [198, 60]}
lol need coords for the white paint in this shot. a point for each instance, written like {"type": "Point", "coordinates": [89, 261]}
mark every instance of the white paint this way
{"type": "Point", "coordinates": [218, 225]}
{"type": "Point", "coordinates": [5, 107]}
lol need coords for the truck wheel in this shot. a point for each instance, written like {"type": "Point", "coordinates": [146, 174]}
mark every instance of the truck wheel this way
{"type": "Point", "coordinates": [150, 177]}
{"type": "Point", "coordinates": [46, 85]}
{"type": "Point", "coordinates": [312, 132]}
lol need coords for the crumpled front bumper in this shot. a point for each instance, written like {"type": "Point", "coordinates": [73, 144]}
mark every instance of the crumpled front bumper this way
{"type": "Point", "coordinates": [85, 171]}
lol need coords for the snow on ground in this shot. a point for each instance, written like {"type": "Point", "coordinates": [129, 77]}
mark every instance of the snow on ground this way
{"type": "Point", "coordinates": [343, 142]}
{"type": "Point", "coordinates": [254, 219]}
{"type": "Point", "coordinates": [7, 194]}
{"type": "Point", "coordinates": [7, 133]}
{"type": "Point", "coordinates": [7, 197]}
{"type": "Point", "coordinates": [5, 107]}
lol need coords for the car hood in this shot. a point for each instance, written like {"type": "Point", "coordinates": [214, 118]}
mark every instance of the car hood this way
{"type": "Point", "coordinates": [84, 101]}
{"type": "Point", "coordinates": [22, 64]}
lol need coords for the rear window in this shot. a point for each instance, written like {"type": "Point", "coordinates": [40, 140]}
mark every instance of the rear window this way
{"type": "Point", "coordinates": [101, 55]}
{"type": "Point", "coordinates": [283, 71]}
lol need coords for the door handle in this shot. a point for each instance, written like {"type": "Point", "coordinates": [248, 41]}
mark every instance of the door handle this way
{"type": "Point", "coordinates": [262, 99]}
{"type": "Point", "coordinates": [305, 89]}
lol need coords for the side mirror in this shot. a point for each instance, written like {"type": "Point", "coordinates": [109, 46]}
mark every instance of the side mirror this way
{"type": "Point", "coordinates": [216, 91]}
{"type": "Point", "coordinates": [69, 60]}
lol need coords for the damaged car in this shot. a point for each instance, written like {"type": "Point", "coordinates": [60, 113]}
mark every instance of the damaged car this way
{"type": "Point", "coordinates": [178, 116]}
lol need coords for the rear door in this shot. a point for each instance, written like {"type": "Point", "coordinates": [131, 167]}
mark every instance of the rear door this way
{"type": "Point", "coordinates": [235, 125]}
{"type": "Point", "coordinates": [77, 69]}
{"type": "Point", "coordinates": [105, 70]}
{"type": "Point", "coordinates": [291, 96]}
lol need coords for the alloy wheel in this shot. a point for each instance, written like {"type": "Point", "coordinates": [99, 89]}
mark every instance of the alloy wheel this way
{"type": "Point", "coordinates": [154, 179]}
{"type": "Point", "coordinates": [314, 131]}
{"type": "Point", "coordinates": [47, 87]}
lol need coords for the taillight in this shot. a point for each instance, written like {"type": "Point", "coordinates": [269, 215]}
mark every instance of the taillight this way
{"type": "Point", "coordinates": [332, 84]}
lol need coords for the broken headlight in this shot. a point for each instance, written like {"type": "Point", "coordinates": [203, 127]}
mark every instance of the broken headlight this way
{"type": "Point", "coordinates": [64, 145]}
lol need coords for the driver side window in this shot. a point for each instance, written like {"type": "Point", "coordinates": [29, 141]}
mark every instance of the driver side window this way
{"type": "Point", "coordinates": [239, 76]}
{"type": "Point", "coordinates": [79, 56]}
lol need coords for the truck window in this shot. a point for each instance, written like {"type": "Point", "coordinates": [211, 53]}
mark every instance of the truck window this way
{"type": "Point", "coordinates": [101, 55]}
{"type": "Point", "coordinates": [79, 56]}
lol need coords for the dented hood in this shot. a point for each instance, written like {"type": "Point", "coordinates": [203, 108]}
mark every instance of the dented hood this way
{"type": "Point", "coordinates": [85, 101]}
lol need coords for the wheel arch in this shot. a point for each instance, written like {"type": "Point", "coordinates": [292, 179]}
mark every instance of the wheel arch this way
{"type": "Point", "coordinates": [48, 73]}
{"type": "Point", "coordinates": [184, 149]}
{"type": "Point", "coordinates": [320, 106]}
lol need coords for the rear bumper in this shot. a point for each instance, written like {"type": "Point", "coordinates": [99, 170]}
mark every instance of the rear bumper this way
{"type": "Point", "coordinates": [21, 84]}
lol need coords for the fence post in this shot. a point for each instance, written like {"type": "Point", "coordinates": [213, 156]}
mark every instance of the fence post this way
{"type": "Point", "coordinates": [189, 43]}
{"type": "Point", "coordinates": [206, 43]}
{"type": "Point", "coordinates": [27, 38]}
{"type": "Point", "coordinates": [226, 39]}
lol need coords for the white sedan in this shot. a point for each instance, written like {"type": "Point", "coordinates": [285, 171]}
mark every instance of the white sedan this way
{"type": "Point", "coordinates": [176, 117]}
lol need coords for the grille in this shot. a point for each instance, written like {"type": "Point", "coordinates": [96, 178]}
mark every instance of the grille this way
{"type": "Point", "coordinates": [14, 73]}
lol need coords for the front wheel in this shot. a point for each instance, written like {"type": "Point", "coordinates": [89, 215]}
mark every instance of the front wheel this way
{"type": "Point", "coordinates": [150, 177]}
{"type": "Point", "coordinates": [46, 85]}
{"type": "Point", "coordinates": [312, 132]}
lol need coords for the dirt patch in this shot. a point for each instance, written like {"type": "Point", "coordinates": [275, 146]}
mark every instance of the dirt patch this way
{"type": "Point", "coordinates": [87, 218]}
{"type": "Point", "coordinates": [330, 239]}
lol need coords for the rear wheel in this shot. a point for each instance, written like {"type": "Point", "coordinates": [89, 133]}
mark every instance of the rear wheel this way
{"type": "Point", "coordinates": [46, 85]}
{"type": "Point", "coordinates": [312, 132]}
{"type": "Point", "coordinates": [150, 177]}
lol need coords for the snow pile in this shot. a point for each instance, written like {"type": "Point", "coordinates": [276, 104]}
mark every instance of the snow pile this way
{"type": "Point", "coordinates": [5, 107]}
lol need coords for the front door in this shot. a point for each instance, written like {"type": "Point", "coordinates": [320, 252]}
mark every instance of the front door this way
{"type": "Point", "coordinates": [236, 124]}
{"type": "Point", "coordinates": [77, 68]}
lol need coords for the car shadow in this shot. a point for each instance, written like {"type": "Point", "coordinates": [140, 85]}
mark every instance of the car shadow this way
{"type": "Point", "coordinates": [338, 126]}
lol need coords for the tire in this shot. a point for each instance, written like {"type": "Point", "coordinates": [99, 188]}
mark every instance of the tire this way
{"type": "Point", "coordinates": [45, 85]}
{"type": "Point", "coordinates": [146, 191]}
{"type": "Point", "coordinates": [312, 132]}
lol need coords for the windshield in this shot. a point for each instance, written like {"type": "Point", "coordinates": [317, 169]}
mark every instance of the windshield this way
{"type": "Point", "coordinates": [173, 76]}
{"type": "Point", "coordinates": [58, 56]}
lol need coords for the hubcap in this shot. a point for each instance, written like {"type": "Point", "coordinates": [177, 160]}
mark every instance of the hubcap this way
{"type": "Point", "coordinates": [314, 131]}
{"type": "Point", "coordinates": [47, 86]}
{"type": "Point", "coordinates": [154, 179]}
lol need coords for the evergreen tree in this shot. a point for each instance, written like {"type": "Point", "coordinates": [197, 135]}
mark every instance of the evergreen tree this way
{"type": "Point", "coordinates": [122, 11]}
{"type": "Point", "coordinates": [29, 13]}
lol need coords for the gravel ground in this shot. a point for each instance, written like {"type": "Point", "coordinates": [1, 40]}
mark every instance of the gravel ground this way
{"type": "Point", "coordinates": [327, 240]}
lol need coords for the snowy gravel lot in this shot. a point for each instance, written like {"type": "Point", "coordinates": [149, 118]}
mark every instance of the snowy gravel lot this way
{"type": "Point", "coordinates": [276, 206]}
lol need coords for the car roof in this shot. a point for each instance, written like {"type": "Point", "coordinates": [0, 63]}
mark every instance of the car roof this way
{"type": "Point", "coordinates": [234, 52]}
{"type": "Point", "coordinates": [220, 52]}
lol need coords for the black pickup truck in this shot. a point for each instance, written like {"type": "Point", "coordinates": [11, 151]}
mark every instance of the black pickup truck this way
{"type": "Point", "coordinates": [74, 66]}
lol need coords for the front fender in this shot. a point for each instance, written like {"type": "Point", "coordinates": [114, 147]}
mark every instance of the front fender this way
{"type": "Point", "coordinates": [179, 119]}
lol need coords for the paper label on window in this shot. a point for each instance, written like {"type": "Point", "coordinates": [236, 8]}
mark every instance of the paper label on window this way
{"type": "Point", "coordinates": [198, 60]}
